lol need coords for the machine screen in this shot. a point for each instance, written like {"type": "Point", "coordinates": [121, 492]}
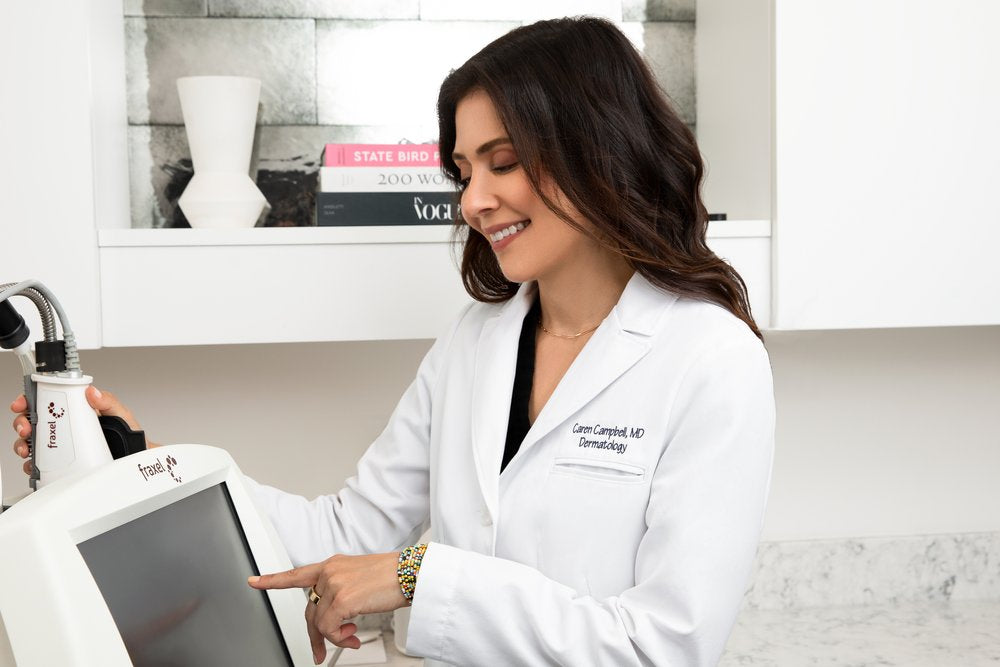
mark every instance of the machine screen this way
{"type": "Point", "coordinates": [175, 582]}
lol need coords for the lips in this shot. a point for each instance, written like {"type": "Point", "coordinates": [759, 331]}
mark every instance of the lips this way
{"type": "Point", "coordinates": [505, 232]}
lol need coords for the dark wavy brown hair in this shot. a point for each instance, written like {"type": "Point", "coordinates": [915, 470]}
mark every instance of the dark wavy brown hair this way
{"type": "Point", "coordinates": [583, 109]}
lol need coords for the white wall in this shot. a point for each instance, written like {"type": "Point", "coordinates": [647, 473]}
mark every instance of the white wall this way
{"type": "Point", "coordinates": [888, 432]}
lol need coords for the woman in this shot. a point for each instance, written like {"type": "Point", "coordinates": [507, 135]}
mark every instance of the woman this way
{"type": "Point", "coordinates": [591, 442]}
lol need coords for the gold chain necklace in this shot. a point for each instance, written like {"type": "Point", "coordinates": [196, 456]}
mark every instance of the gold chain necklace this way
{"type": "Point", "coordinates": [577, 335]}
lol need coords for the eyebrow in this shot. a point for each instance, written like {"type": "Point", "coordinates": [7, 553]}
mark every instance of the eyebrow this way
{"type": "Point", "coordinates": [492, 143]}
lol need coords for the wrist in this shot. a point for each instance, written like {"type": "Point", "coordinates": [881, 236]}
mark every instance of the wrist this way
{"type": "Point", "coordinates": [408, 570]}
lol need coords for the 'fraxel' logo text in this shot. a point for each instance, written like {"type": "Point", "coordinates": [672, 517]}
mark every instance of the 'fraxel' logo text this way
{"type": "Point", "coordinates": [153, 469]}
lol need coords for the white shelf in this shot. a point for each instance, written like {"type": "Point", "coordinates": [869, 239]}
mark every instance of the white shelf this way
{"type": "Point", "coordinates": [302, 284]}
{"type": "Point", "coordinates": [276, 293]}
{"type": "Point", "coordinates": [268, 236]}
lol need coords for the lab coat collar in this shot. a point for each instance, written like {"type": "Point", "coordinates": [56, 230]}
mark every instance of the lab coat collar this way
{"type": "Point", "coordinates": [616, 345]}
{"type": "Point", "coordinates": [641, 306]}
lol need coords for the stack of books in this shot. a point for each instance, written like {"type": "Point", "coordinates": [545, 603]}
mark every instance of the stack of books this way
{"type": "Point", "coordinates": [383, 184]}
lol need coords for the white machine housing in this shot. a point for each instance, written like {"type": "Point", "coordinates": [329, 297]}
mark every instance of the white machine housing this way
{"type": "Point", "coordinates": [52, 610]}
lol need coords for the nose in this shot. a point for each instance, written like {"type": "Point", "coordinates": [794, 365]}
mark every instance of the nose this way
{"type": "Point", "coordinates": [478, 198]}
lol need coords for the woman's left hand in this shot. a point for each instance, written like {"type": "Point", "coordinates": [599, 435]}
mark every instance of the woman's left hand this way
{"type": "Point", "coordinates": [347, 587]}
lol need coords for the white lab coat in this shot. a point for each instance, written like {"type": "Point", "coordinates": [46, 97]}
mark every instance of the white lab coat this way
{"type": "Point", "coordinates": [622, 532]}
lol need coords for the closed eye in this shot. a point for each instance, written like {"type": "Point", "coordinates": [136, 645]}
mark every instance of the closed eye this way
{"type": "Point", "coordinates": [499, 169]}
{"type": "Point", "coordinates": [504, 168]}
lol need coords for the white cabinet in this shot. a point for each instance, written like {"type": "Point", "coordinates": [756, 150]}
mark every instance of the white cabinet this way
{"type": "Point", "coordinates": [873, 127]}
{"type": "Point", "coordinates": [63, 168]}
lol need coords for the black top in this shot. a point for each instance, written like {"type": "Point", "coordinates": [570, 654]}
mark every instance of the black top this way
{"type": "Point", "coordinates": [518, 423]}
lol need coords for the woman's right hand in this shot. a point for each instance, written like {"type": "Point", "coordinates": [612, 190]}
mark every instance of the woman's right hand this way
{"type": "Point", "coordinates": [104, 403]}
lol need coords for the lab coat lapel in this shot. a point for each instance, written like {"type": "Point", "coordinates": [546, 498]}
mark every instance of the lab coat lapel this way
{"type": "Point", "coordinates": [621, 341]}
{"type": "Point", "coordinates": [496, 361]}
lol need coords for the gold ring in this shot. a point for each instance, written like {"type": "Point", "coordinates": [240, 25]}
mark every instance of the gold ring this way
{"type": "Point", "coordinates": [314, 597]}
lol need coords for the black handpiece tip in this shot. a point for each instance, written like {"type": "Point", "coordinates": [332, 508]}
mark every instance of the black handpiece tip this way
{"type": "Point", "coordinates": [13, 330]}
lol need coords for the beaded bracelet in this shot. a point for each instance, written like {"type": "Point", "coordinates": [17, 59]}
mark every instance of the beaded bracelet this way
{"type": "Point", "coordinates": [409, 568]}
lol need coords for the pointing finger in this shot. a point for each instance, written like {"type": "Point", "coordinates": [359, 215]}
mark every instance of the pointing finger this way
{"type": "Point", "coordinates": [298, 577]}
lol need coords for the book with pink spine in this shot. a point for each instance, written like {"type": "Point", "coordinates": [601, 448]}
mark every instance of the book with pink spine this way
{"type": "Point", "coordinates": [381, 155]}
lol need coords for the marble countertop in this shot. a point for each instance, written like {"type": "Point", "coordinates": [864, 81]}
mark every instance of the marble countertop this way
{"type": "Point", "coordinates": [912, 634]}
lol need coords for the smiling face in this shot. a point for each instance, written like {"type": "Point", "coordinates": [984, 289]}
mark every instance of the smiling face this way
{"type": "Point", "coordinates": [530, 241]}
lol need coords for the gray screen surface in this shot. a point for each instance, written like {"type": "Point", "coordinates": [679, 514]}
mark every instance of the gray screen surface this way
{"type": "Point", "coordinates": [175, 582]}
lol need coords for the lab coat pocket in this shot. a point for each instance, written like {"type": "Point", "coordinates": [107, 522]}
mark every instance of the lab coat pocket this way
{"type": "Point", "coordinates": [592, 522]}
{"type": "Point", "coordinates": [599, 470]}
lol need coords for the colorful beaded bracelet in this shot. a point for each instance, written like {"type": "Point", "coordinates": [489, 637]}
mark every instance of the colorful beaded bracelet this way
{"type": "Point", "coordinates": [409, 568]}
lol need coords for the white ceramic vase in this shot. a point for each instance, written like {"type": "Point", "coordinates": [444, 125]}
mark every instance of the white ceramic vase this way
{"type": "Point", "coordinates": [220, 115]}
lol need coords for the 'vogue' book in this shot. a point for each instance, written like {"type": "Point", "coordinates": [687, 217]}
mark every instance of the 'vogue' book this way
{"type": "Point", "coordinates": [365, 209]}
